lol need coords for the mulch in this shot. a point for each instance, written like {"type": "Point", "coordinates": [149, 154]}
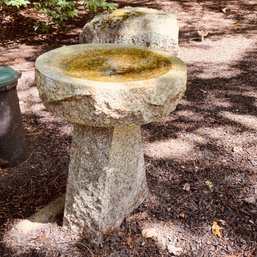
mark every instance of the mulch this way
{"type": "Point", "coordinates": [200, 161]}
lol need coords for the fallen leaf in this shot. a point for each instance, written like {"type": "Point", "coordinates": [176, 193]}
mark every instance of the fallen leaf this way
{"type": "Point", "coordinates": [174, 249]}
{"type": "Point", "coordinates": [149, 232]}
{"type": "Point", "coordinates": [182, 215]}
{"type": "Point", "coordinates": [237, 149]}
{"type": "Point", "coordinates": [251, 222]}
{"type": "Point", "coordinates": [216, 229]}
{"type": "Point", "coordinates": [3, 162]}
{"type": "Point", "coordinates": [224, 10]}
{"type": "Point", "coordinates": [209, 183]}
{"type": "Point", "coordinates": [223, 222]}
{"type": "Point", "coordinates": [202, 34]}
{"type": "Point", "coordinates": [129, 240]}
{"type": "Point", "coordinates": [203, 91]}
{"type": "Point", "coordinates": [137, 216]}
{"type": "Point", "coordinates": [250, 253]}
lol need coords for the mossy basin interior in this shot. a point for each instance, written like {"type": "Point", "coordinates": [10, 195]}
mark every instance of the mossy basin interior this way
{"type": "Point", "coordinates": [112, 65]}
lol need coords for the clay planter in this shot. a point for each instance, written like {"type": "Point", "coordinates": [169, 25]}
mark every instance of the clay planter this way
{"type": "Point", "coordinates": [106, 178]}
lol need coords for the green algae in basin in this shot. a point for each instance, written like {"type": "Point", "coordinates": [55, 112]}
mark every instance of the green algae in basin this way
{"type": "Point", "coordinates": [116, 65]}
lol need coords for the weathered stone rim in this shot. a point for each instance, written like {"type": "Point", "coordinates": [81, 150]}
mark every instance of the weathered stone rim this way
{"type": "Point", "coordinates": [49, 64]}
{"type": "Point", "coordinates": [107, 104]}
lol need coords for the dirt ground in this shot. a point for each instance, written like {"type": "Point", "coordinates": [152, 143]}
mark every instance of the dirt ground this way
{"type": "Point", "coordinates": [201, 161]}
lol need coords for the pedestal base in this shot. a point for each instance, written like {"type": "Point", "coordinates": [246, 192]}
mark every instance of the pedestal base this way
{"type": "Point", "coordinates": [106, 179]}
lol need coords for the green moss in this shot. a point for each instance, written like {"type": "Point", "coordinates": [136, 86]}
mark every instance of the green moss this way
{"type": "Point", "coordinates": [137, 13]}
{"type": "Point", "coordinates": [124, 64]}
{"type": "Point", "coordinates": [119, 15]}
{"type": "Point", "coordinates": [122, 14]}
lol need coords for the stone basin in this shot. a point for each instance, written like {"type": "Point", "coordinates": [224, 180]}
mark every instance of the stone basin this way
{"type": "Point", "coordinates": [107, 91]}
{"type": "Point", "coordinates": [107, 104]}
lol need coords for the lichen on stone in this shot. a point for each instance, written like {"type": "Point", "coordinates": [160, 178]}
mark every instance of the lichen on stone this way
{"type": "Point", "coordinates": [119, 15]}
{"type": "Point", "coordinates": [134, 26]}
{"type": "Point", "coordinates": [126, 13]}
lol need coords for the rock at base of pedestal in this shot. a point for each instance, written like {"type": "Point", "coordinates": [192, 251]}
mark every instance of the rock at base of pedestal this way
{"type": "Point", "coordinates": [106, 179]}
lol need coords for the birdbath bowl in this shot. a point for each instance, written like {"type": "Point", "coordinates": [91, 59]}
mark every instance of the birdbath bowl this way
{"type": "Point", "coordinates": [107, 92]}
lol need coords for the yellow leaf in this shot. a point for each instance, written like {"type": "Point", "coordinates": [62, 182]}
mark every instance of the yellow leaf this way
{"type": "Point", "coordinates": [216, 229]}
{"type": "Point", "coordinates": [129, 240]}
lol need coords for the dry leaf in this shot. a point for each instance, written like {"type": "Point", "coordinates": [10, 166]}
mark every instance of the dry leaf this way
{"type": "Point", "coordinates": [237, 149]}
{"type": "Point", "coordinates": [149, 232]}
{"type": "Point", "coordinates": [182, 215]}
{"type": "Point", "coordinates": [137, 216]}
{"type": "Point", "coordinates": [223, 222]}
{"type": "Point", "coordinates": [224, 10]}
{"type": "Point", "coordinates": [203, 91]}
{"type": "Point", "coordinates": [202, 34]}
{"type": "Point", "coordinates": [216, 229]}
{"type": "Point", "coordinates": [3, 162]}
{"type": "Point", "coordinates": [129, 240]}
{"type": "Point", "coordinates": [250, 253]}
{"type": "Point", "coordinates": [209, 183]}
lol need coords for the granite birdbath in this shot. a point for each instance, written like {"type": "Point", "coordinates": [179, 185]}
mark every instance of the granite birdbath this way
{"type": "Point", "coordinates": [107, 92]}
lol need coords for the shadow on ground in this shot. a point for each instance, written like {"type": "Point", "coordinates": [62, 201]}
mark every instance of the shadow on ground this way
{"type": "Point", "coordinates": [217, 161]}
{"type": "Point", "coordinates": [200, 161]}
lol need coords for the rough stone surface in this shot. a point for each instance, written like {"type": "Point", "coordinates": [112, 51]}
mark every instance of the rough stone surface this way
{"type": "Point", "coordinates": [134, 26]}
{"type": "Point", "coordinates": [107, 104]}
{"type": "Point", "coordinates": [106, 179]}
{"type": "Point", "coordinates": [49, 212]}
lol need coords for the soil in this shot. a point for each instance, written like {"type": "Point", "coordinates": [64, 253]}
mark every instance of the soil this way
{"type": "Point", "coordinates": [201, 161]}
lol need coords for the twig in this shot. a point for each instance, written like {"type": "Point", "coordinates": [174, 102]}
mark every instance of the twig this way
{"type": "Point", "coordinates": [81, 246]}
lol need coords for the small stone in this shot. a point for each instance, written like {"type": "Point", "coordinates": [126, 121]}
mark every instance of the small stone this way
{"type": "Point", "coordinates": [254, 162]}
{"type": "Point", "coordinates": [250, 200]}
{"type": "Point", "coordinates": [149, 233]}
{"type": "Point", "coordinates": [174, 250]}
{"type": "Point", "coordinates": [186, 187]}
{"type": "Point", "coordinates": [237, 149]}
{"type": "Point", "coordinates": [26, 226]}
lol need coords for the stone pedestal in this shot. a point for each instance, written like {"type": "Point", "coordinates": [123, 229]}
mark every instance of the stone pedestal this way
{"type": "Point", "coordinates": [106, 178]}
